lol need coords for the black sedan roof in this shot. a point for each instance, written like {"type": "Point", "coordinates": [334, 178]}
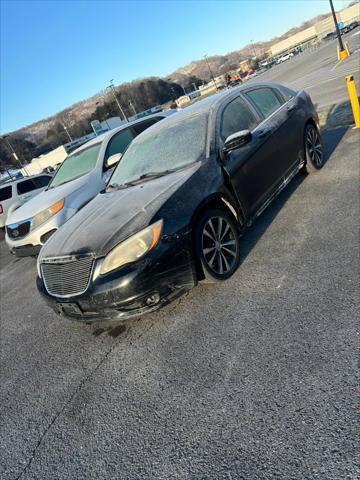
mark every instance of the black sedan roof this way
{"type": "Point", "coordinates": [209, 104]}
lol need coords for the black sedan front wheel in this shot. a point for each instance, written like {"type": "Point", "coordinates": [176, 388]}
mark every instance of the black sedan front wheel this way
{"type": "Point", "coordinates": [217, 245]}
{"type": "Point", "coordinates": [314, 154]}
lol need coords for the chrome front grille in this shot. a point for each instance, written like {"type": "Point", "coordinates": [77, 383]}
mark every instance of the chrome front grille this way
{"type": "Point", "coordinates": [67, 276]}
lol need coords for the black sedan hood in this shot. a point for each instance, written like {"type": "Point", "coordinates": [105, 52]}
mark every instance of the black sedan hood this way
{"type": "Point", "coordinates": [112, 217]}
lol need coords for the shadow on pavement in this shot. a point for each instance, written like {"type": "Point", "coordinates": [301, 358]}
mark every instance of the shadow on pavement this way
{"type": "Point", "coordinates": [259, 227]}
{"type": "Point", "coordinates": [331, 138]}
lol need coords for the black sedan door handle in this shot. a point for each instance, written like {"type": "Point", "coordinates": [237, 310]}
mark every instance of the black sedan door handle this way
{"type": "Point", "coordinates": [291, 108]}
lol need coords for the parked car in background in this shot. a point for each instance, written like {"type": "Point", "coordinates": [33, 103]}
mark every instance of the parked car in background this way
{"type": "Point", "coordinates": [14, 193]}
{"type": "Point", "coordinates": [256, 73]}
{"type": "Point", "coordinates": [267, 64]}
{"type": "Point", "coordinates": [81, 176]}
{"type": "Point", "coordinates": [174, 209]}
{"type": "Point", "coordinates": [285, 57]}
{"type": "Point", "coordinates": [330, 36]}
{"type": "Point", "coordinates": [349, 27]}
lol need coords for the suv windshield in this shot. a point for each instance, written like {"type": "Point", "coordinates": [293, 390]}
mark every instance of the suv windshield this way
{"type": "Point", "coordinates": [162, 148]}
{"type": "Point", "coordinates": [76, 165]}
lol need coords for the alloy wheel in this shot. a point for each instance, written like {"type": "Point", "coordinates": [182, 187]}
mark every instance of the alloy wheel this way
{"type": "Point", "coordinates": [219, 245]}
{"type": "Point", "coordinates": [314, 147]}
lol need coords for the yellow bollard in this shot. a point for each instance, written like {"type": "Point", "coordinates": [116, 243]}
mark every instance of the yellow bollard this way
{"type": "Point", "coordinates": [342, 54]}
{"type": "Point", "coordinates": [354, 99]}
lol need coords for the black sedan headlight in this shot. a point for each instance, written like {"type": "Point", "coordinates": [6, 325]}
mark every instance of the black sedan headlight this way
{"type": "Point", "coordinates": [133, 248]}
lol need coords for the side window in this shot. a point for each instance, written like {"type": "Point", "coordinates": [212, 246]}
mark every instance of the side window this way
{"type": "Point", "coordinates": [5, 193]}
{"type": "Point", "coordinates": [119, 142]}
{"type": "Point", "coordinates": [236, 117]}
{"type": "Point", "coordinates": [265, 100]}
{"type": "Point", "coordinates": [42, 181]}
{"type": "Point", "coordinates": [141, 126]}
{"type": "Point", "coordinates": [288, 93]}
{"type": "Point", "coordinates": [26, 186]}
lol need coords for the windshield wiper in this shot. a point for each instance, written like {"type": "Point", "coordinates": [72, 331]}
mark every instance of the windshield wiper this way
{"type": "Point", "coordinates": [116, 186]}
{"type": "Point", "coordinates": [153, 174]}
{"type": "Point", "coordinates": [144, 176]}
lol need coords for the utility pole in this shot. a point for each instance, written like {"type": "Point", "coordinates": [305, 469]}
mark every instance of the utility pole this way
{"type": "Point", "coordinates": [341, 45]}
{"type": "Point", "coordinates": [253, 47]}
{"type": "Point", "coordinates": [13, 153]}
{"type": "Point", "coordinates": [66, 130]}
{"type": "Point", "coordinates": [112, 88]}
{"type": "Point", "coordinates": [211, 74]}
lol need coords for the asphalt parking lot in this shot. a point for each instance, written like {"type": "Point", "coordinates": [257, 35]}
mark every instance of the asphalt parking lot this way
{"type": "Point", "coordinates": [319, 72]}
{"type": "Point", "coordinates": [255, 378]}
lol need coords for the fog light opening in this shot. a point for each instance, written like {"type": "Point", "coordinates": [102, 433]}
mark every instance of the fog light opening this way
{"type": "Point", "coordinates": [153, 299]}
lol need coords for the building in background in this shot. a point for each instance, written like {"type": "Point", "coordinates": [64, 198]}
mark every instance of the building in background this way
{"type": "Point", "coordinates": [318, 31]}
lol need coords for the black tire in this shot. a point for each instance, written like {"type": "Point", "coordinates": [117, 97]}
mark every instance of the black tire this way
{"type": "Point", "coordinates": [217, 245]}
{"type": "Point", "coordinates": [313, 149]}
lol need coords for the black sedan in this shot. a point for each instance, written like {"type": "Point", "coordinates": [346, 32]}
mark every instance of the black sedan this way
{"type": "Point", "coordinates": [175, 207]}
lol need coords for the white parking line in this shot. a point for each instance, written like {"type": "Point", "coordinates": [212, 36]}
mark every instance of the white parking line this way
{"type": "Point", "coordinates": [336, 64]}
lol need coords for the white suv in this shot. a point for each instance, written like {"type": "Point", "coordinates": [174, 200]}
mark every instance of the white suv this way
{"type": "Point", "coordinates": [14, 193]}
{"type": "Point", "coordinates": [81, 176]}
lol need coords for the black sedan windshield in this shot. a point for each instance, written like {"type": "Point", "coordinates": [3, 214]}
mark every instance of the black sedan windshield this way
{"type": "Point", "coordinates": [162, 148]}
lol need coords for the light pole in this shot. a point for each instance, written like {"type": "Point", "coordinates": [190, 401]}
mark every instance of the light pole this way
{"type": "Point", "coordinates": [341, 45]}
{"type": "Point", "coordinates": [112, 88]}
{"type": "Point", "coordinates": [253, 47]}
{"type": "Point", "coordinates": [211, 74]}
{"type": "Point", "coordinates": [66, 130]}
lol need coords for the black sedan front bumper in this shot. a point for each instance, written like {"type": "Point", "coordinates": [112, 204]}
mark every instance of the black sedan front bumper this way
{"type": "Point", "coordinates": [133, 290]}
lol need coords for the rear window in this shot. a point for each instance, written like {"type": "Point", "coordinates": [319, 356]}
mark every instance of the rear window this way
{"type": "Point", "coordinates": [42, 181]}
{"type": "Point", "coordinates": [119, 142]}
{"type": "Point", "coordinates": [26, 186]}
{"type": "Point", "coordinates": [5, 193]}
{"type": "Point", "coordinates": [141, 126]}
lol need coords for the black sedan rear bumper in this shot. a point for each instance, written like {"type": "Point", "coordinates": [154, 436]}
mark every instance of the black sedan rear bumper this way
{"type": "Point", "coordinates": [133, 290]}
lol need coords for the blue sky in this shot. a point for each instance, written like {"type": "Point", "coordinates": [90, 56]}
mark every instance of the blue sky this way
{"type": "Point", "coordinates": [55, 53]}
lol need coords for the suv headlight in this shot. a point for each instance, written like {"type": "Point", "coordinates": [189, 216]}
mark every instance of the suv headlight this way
{"type": "Point", "coordinates": [44, 215]}
{"type": "Point", "coordinates": [133, 248]}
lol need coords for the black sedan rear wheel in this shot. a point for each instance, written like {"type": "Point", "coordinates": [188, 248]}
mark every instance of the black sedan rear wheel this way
{"type": "Point", "coordinates": [314, 154]}
{"type": "Point", "coordinates": [217, 245]}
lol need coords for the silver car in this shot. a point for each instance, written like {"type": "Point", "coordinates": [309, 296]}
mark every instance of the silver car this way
{"type": "Point", "coordinates": [81, 176]}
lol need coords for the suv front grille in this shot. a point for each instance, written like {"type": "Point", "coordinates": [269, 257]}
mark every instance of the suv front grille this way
{"type": "Point", "coordinates": [67, 276]}
{"type": "Point", "coordinates": [18, 230]}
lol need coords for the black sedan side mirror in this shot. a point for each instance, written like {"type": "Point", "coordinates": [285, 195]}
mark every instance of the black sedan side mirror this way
{"type": "Point", "coordinates": [236, 140]}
